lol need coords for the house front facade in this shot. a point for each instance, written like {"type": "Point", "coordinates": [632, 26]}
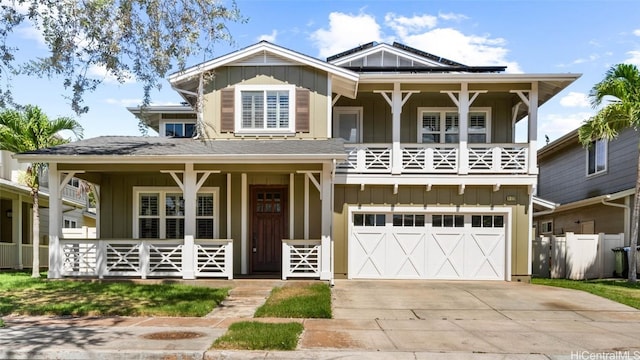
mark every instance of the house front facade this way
{"type": "Point", "coordinates": [382, 162]}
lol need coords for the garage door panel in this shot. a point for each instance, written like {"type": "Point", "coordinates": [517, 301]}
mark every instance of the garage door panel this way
{"type": "Point", "coordinates": [485, 254]}
{"type": "Point", "coordinates": [369, 250]}
{"type": "Point", "coordinates": [445, 259]}
{"type": "Point", "coordinates": [406, 255]}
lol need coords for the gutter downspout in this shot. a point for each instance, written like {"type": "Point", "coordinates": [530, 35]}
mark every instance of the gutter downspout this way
{"type": "Point", "coordinates": [626, 208]}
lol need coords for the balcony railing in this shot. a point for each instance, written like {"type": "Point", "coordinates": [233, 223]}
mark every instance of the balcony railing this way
{"type": "Point", "coordinates": [437, 158]}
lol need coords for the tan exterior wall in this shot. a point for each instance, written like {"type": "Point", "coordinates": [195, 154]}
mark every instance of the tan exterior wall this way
{"type": "Point", "coordinates": [606, 219]}
{"type": "Point", "coordinates": [474, 196]}
{"type": "Point", "coordinates": [305, 77]}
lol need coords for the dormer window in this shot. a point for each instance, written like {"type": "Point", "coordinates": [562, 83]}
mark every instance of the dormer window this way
{"type": "Point", "coordinates": [265, 108]}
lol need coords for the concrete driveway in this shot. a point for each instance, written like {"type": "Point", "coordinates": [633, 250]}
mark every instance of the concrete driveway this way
{"type": "Point", "coordinates": [473, 317]}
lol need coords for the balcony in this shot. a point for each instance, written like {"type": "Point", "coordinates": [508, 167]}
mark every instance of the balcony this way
{"type": "Point", "coordinates": [437, 159]}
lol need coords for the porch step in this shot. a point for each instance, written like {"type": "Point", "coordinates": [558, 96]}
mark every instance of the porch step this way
{"type": "Point", "coordinates": [242, 302]}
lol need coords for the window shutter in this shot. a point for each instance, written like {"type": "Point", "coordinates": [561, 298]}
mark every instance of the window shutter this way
{"type": "Point", "coordinates": [302, 110]}
{"type": "Point", "coordinates": [227, 106]}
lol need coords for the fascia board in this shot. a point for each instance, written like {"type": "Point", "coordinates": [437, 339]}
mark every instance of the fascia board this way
{"type": "Point", "coordinates": [263, 46]}
{"type": "Point", "coordinates": [594, 200]}
{"type": "Point", "coordinates": [173, 159]}
{"type": "Point", "coordinates": [472, 78]}
{"type": "Point", "coordinates": [421, 180]}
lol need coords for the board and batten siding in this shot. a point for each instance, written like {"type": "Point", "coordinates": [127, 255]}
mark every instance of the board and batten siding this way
{"type": "Point", "coordinates": [439, 196]}
{"type": "Point", "coordinates": [376, 122]}
{"type": "Point", "coordinates": [311, 85]}
{"type": "Point", "coordinates": [563, 174]}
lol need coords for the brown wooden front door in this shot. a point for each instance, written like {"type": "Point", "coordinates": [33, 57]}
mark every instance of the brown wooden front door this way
{"type": "Point", "coordinates": [268, 227]}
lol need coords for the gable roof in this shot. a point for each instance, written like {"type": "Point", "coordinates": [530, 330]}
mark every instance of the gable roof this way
{"type": "Point", "coordinates": [344, 81]}
{"type": "Point", "coordinates": [381, 57]}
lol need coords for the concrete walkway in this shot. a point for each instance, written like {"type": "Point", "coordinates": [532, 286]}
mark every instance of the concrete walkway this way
{"type": "Point", "coordinates": [373, 320]}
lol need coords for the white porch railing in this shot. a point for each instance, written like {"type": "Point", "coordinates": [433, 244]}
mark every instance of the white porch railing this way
{"type": "Point", "coordinates": [144, 258]}
{"type": "Point", "coordinates": [84, 232]}
{"type": "Point", "coordinates": [8, 255]}
{"type": "Point", "coordinates": [301, 258]}
{"type": "Point", "coordinates": [437, 158]}
{"type": "Point", "coordinates": [27, 255]}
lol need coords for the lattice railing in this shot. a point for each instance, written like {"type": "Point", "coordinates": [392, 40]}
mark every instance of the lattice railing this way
{"type": "Point", "coordinates": [142, 258]}
{"type": "Point", "coordinates": [436, 158]}
{"type": "Point", "coordinates": [301, 258]}
{"type": "Point", "coordinates": [214, 258]}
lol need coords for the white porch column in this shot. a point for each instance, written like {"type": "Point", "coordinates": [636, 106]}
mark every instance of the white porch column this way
{"type": "Point", "coordinates": [16, 226]}
{"type": "Point", "coordinates": [463, 113]}
{"type": "Point", "coordinates": [244, 219]}
{"type": "Point", "coordinates": [396, 112]}
{"type": "Point", "coordinates": [55, 222]}
{"type": "Point", "coordinates": [189, 182]}
{"type": "Point", "coordinates": [533, 128]}
{"type": "Point", "coordinates": [327, 213]}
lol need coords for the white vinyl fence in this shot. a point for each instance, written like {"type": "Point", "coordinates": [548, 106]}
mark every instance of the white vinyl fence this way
{"type": "Point", "coordinates": [575, 256]}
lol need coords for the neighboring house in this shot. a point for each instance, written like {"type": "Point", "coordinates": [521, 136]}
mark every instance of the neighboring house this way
{"type": "Point", "coordinates": [592, 188]}
{"type": "Point", "coordinates": [16, 216]}
{"type": "Point", "coordinates": [382, 162]}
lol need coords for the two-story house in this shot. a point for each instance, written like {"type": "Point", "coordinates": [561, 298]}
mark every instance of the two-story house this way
{"type": "Point", "coordinates": [593, 186]}
{"type": "Point", "coordinates": [16, 214]}
{"type": "Point", "coordinates": [382, 162]}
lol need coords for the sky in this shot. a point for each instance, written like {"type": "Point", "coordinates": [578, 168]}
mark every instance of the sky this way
{"type": "Point", "coordinates": [535, 37]}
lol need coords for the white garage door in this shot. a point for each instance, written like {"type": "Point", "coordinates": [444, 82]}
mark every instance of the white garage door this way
{"type": "Point", "coordinates": [427, 246]}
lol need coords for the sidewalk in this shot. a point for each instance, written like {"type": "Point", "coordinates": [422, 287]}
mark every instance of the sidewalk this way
{"type": "Point", "coordinates": [373, 320]}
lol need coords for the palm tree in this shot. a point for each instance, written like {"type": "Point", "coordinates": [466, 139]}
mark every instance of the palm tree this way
{"type": "Point", "coordinates": [621, 90]}
{"type": "Point", "coordinates": [30, 129]}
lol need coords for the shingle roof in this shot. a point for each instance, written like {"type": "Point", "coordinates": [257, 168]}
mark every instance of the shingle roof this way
{"type": "Point", "coordinates": [132, 146]}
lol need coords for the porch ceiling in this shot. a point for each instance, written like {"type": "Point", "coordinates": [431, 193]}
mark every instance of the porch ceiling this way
{"type": "Point", "coordinates": [129, 149]}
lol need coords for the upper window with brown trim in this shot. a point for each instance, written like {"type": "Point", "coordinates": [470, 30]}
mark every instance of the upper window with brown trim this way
{"type": "Point", "coordinates": [264, 109]}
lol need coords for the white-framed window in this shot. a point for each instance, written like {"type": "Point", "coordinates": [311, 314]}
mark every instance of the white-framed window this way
{"type": "Point", "coordinates": [265, 108]}
{"type": "Point", "coordinates": [597, 157]}
{"type": "Point", "coordinates": [347, 123]}
{"type": "Point", "coordinates": [447, 220]}
{"type": "Point", "coordinates": [369, 219]}
{"type": "Point", "coordinates": [546, 227]}
{"type": "Point", "coordinates": [442, 125]}
{"type": "Point", "coordinates": [75, 182]}
{"type": "Point", "coordinates": [160, 213]}
{"type": "Point", "coordinates": [179, 129]}
{"type": "Point", "coordinates": [487, 221]}
{"type": "Point", "coordinates": [69, 223]}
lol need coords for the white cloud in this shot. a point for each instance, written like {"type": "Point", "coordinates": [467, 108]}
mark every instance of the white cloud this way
{"type": "Point", "coordinates": [556, 125]}
{"type": "Point", "coordinates": [123, 102]}
{"type": "Point", "coordinates": [345, 31]}
{"type": "Point", "coordinates": [634, 58]}
{"type": "Point", "coordinates": [575, 99]}
{"type": "Point", "coordinates": [452, 16]}
{"type": "Point", "coordinates": [636, 32]}
{"type": "Point", "coordinates": [30, 32]}
{"type": "Point", "coordinates": [470, 50]}
{"type": "Point", "coordinates": [269, 37]}
{"type": "Point", "coordinates": [101, 72]}
{"type": "Point", "coordinates": [419, 31]}
{"type": "Point", "coordinates": [404, 26]}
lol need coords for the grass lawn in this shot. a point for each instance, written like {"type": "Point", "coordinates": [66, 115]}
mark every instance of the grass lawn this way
{"type": "Point", "coordinates": [251, 335]}
{"type": "Point", "coordinates": [617, 290]}
{"type": "Point", "coordinates": [22, 295]}
{"type": "Point", "coordinates": [298, 301]}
